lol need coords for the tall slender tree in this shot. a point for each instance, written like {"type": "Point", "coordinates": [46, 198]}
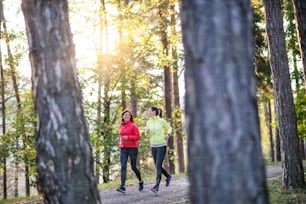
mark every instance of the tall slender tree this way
{"type": "Point", "coordinates": [3, 115]}
{"type": "Point", "coordinates": [177, 113]}
{"type": "Point", "coordinates": [99, 73]}
{"type": "Point", "coordinates": [3, 107]}
{"type": "Point", "coordinates": [262, 69]}
{"type": "Point", "coordinates": [268, 122]}
{"type": "Point", "coordinates": [19, 117]}
{"type": "Point", "coordinates": [277, 140]}
{"type": "Point", "coordinates": [105, 63]}
{"type": "Point", "coordinates": [120, 7]}
{"type": "Point", "coordinates": [163, 27]}
{"type": "Point", "coordinates": [300, 16]}
{"type": "Point", "coordinates": [292, 46]}
{"type": "Point", "coordinates": [64, 157]}
{"type": "Point", "coordinates": [293, 173]}
{"type": "Point", "coordinates": [224, 149]}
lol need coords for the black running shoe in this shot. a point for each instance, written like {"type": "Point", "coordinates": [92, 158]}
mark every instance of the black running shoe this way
{"type": "Point", "coordinates": [121, 189]}
{"type": "Point", "coordinates": [168, 180]}
{"type": "Point", "coordinates": [141, 186]}
{"type": "Point", "coordinates": [154, 189]}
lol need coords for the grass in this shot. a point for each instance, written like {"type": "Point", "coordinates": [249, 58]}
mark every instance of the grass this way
{"type": "Point", "coordinates": [269, 162]}
{"type": "Point", "coordinates": [280, 195]}
{"type": "Point", "coordinates": [22, 200]}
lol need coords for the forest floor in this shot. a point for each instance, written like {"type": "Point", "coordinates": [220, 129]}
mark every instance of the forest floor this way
{"type": "Point", "coordinates": [175, 193]}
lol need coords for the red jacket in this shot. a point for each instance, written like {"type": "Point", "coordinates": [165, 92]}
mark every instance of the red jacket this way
{"type": "Point", "coordinates": [131, 130]}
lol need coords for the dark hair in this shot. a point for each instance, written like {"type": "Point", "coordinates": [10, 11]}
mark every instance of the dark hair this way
{"type": "Point", "coordinates": [158, 111]}
{"type": "Point", "coordinates": [127, 111]}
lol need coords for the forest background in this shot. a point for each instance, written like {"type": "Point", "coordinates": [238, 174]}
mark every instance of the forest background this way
{"type": "Point", "coordinates": [129, 55]}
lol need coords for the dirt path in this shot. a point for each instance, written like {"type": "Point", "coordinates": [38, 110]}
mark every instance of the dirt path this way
{"type": "Point", "coordinates": [176, 193]}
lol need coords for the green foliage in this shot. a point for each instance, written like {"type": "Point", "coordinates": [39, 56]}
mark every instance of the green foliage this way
{"type": "Point", "coordinates": [261, 61]}
{"type": "Point", "coordinates": [19, 140]}
{"type": "Point", "coordinates": [290, 29]}
{"type": "Point", "coordinates": [128, 69]}
{"type": "Point", "coordinates": [300, 108]}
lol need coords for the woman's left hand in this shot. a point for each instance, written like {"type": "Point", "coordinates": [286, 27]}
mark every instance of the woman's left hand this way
{"type": "Point", "coordinates": [167, 136]}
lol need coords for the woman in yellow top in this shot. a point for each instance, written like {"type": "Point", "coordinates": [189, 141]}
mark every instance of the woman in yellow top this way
{"type": "Point", "coordinates": [159, 131]}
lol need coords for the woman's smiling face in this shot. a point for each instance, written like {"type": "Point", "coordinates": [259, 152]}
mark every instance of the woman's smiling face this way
{"type": "Point", "coordinates": [126, 116]}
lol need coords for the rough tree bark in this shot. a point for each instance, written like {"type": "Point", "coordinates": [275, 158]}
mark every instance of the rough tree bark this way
{"type": "Point", "coordinates": [225, 160]}
{"type": "Point", "coordinates": [64, 157]}
{"type": "Point", "coordinates": [300, 16]}
{"type": "Point", "coordinates": [293, 172]}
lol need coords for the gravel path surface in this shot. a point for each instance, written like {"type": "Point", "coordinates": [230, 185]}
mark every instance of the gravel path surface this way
{"type": "Point", "coordinates": [176, 193]}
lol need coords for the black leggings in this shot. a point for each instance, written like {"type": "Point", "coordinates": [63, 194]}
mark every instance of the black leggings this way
{"type": "Point", "coordinates": [158, 154]}
{"type": "Point", "coordinates": [124, 154]}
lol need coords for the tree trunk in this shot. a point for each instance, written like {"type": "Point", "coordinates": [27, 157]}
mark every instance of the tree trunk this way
{"type": "Point", "coordinates": [106, 133]}
{"type": "Point", "coordinates": [224, 148]}
{"type": "Point", "coordinates": [300, 16]}
{"type": "Point", "coordinates": [278, 156]}
{"type": "Point", "coordinates": [3, 108]}
{"type": "Point", "coordinates": [133, 98]}
{"type": "Point", "coordinates": [99, 72]}
{"type": "Point", "coordinates": [106, 130]}
{"type": "Point", "coordinates": [19, 120]}
{"type": "Point", "coordinates": [268, 120]}
{"type": "Point", "coordinates": [163, 14]}
{"type": "Point", "coordinates": [296, 76]}
{"type": "Point", "coordinates": [293, 173]}
{"type": "Point", "coordinates": [64, 157]}
{"type": "Point", "coordinates": [120, 54]}
{"type": "Point", "coordinates": [177, 120]}
{"type": "Point", "coordinates": [98, 152]}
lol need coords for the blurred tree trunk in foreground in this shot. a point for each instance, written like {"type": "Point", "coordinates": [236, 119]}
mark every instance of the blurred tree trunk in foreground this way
{"type": "Point", "coordinates": [64, 160]}
{"type": "Point", "coordinates": [225, 161]}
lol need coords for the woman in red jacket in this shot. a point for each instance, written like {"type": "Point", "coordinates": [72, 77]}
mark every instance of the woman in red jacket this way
{"type": "Point", "coordinates": [129, 136]}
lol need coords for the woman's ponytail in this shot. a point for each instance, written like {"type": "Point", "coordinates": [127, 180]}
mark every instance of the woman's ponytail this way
{"type": "Point", "coordinates": [160, 112]}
